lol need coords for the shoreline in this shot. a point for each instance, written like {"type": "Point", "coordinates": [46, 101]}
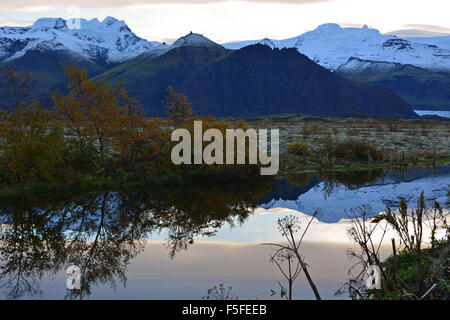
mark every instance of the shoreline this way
{"type": "Point", "coordinates": [92, 184]}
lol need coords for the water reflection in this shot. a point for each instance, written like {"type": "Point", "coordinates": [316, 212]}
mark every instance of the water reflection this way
{"type": "Point", "coordinates": [102, 232]}
{"type": "Point", "coordinates": [293, 186]}
{"type": "Point", "coordinates": [334, 194]}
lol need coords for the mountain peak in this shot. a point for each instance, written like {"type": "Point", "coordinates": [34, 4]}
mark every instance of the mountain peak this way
{"type": "Point", "coordinates": [267, 42]}
{"type": "Point", "coordinates": [328, 27]}
{"type": "Point", "coordinates": [53, 23]}
{"type": "Point", "coordinates": [109, 41]}
{"type": "Point", "coordinates": [109, 21]}
{"type": "Point", "coordinates": [334, 28]}
{"type": "Point", "coordinates": [194, 40]}
{"type": "Point", "coordinates": [331, 45]}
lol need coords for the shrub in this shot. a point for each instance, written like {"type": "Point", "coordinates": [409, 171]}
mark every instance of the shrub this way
{"type": "Point", "coordinates": [32, 145]}
{"type": "Point", "coordinates": [355, 150]}
{"type": "Point", "coordinates": [299, 149]}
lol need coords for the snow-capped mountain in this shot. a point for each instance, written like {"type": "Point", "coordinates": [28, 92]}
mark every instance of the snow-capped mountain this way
{"type": "Point", "coordinates": [108, 41]}
{"type": "Point", "coordinates": [331, 46]}
{"type": "Point", "coordinates": [355, 65]}
{"type": "Point", "coordinates": [189, 40]}
{"type": "Point", "coordinates": [441, 42]}
{"type": "Point", "coordinates": [194, 40]}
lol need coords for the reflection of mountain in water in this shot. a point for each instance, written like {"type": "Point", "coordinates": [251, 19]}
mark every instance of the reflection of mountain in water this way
{"type": "Point", "coordinates": [335, 194]}
{"type": "Point", "coordinates": [397, 176]}
{"type": "Point", "coordinates": [294, 186]}
{"type": "Point", "coordinates": [286, 190]}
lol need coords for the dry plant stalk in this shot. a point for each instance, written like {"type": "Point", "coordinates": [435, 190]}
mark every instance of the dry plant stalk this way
{"type": "Point", "coordinates": [288, 227]}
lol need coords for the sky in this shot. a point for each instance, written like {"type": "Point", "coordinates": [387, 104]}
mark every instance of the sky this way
{"type": "Point", "coordinates": [234, 20]}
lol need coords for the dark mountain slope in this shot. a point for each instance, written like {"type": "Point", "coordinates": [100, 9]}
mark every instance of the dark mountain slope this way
{"type": "Point", "coordinates": [47, 66]}
{"type": "Point", "coordinates": [258, 80]}
{"type": "Point", "coordinates": [147, 77]}
{"type": "Point", "coordinates": [419, 87]}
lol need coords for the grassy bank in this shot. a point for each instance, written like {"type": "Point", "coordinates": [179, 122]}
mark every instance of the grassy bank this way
{"type": "Point", "coordinates": [296, 168]}
{"type": "Point", "coordinates": [186, 176]}
{"type": "Point", "coordinates": [336, 144]}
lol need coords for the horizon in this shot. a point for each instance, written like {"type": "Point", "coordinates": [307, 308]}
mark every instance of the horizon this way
{"type": "Point", "coordinates": [404, 33]}
{"type": "Point", "coordinates": [228, 21]}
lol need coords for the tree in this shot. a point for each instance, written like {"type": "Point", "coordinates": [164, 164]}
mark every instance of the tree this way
{"type": "Point", "coordinates": [16, 89]}
{"type": "Point", "coordinates": [94, 113]}
{"type": "Point", "coordinates": [143, 145]}
{"type": "Point", "coordinates": [32, 144]}
{"type": "Point", "coordinates": [179, 108]}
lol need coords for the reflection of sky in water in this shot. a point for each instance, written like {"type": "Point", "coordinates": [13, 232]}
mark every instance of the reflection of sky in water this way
{"type": "Point", "coordinates": [332, 208]}
{"type": "Point", "coordinates": [234, 256]}
{"type": "Point", "coordinates": [261, 227]}
{"type": "Point", "coordinates": [153, 275]}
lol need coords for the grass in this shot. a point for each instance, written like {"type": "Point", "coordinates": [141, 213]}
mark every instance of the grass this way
{"type": "Point", "coordinates": [401, 142]}
{"type": "Point", "coordinates": [364, 166]}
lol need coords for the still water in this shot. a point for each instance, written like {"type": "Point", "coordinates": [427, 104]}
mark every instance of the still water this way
{"type": "Point", "coordinates": [444, 114]}
{"type": "Point", "coordinates": [176, 242]}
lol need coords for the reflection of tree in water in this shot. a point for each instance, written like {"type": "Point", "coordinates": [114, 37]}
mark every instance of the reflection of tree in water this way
{"type": "Point", "coordinates": [333, 180]}
{"type": "Point", "coordinates": [349, 179]}
{"type": "Point", "coordinates": [102, 232]}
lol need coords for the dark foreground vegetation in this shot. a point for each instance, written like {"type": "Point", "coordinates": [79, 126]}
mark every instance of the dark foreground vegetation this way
{"type": "Point", "coordinates": [95, 134]}
{"type": "Point", "coordinates": [94, 131]}
{"type": "Point", "coordinates": [417, 269]}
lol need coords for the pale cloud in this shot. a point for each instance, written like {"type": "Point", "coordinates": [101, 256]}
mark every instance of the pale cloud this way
{"type": "Point", "coordinates": [21, 5]}
{"type": "Point", "coordinates": [414, 33]}
{"type": "Point", "coordinates": [15, 23]}
{"type": "Point", "coordinates": [226, 20]}
{"type": "Point", "coordinates": [427, 27]}
{"type": "Point", "coordinates": [421, 30]}
{"type": "Point", "coordinates": [351, 25]}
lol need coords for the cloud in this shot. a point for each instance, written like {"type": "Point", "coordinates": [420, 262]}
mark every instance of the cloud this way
{"type": "Point", "coordinates": [25, 5]}
{"type": "Point", "coordinates": [427, 27]}
{"type": "Point", "coordinates": [414, 33]}
{"type": "Point", "coordinates": [350, 25]}
{"type": "Point", "coordinates": [420, 30]}
{"type": "Point", "coordinates": [15, 23]}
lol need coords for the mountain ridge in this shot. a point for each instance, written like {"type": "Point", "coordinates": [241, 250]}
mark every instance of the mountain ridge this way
{"type": "Point", "coordinates": [331, 45]}
{"type": "Point", "coordinates": [258, 80]}
{"type": "Point", "coordinates": [109, 41]}
{"type": "Point", "coordinates": [108, 49]}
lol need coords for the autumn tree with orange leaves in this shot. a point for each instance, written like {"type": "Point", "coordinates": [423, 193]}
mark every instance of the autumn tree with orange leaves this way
{"type": "Point", "coordinates": [178, 106]}
{"type": "Point", "coordinates": [32, 145]}
{"type": "Point", "coordinates": [143, 145]}
{"type": "Point", "coordinates": [94, 114]}
{"type": "Point", "coordinates": [95, 130]}
{"type": "Point", "coordinates": [108, 128]}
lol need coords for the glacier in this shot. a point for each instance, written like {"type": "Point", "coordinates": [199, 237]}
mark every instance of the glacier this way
{"type": "Point", "coordinates": [331, 46]}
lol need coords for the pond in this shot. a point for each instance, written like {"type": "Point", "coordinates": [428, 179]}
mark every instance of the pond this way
{"type": "Point", "coordinates": [444, 114]}
{"type": "Point", "coordinates": [176, 242]}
